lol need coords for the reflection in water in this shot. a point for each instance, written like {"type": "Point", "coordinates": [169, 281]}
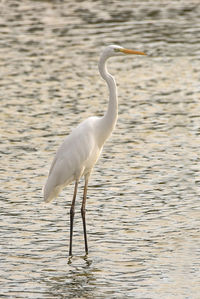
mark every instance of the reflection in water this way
{"type": "Point", "coordinates": [78, 281]}
{"type": "Point", "coordinates": [143, 199]}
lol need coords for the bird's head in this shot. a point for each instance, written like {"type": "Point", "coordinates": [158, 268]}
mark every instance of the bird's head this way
{"type": "Point", "coordinates": [115, 50]}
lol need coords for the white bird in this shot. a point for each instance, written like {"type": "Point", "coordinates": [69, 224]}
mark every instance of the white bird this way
{"type": "Point", "coordinates": [81, 149]}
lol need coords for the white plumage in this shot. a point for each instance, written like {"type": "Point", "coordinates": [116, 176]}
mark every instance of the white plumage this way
{"type": "Point", "coordinates": [81, 149]}
{"type": "Point", "coordinates": [75, 157]}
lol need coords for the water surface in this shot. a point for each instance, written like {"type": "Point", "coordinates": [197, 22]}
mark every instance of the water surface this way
{"type": "Point", "coordinates": [143, 198]}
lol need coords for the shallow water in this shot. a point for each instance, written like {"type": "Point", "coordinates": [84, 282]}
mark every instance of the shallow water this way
{"type": "Point", "coordinates": [143, 213]}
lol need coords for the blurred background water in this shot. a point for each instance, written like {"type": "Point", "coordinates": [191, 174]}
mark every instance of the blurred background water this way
{"type": "Point", "coordinates": [143, 211]}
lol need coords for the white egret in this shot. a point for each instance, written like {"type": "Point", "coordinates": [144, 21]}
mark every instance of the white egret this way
{"type": "Point", "coordinates": [81, 149]}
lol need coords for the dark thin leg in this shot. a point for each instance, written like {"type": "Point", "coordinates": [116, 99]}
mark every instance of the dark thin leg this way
{"type": "Point", "coordinates": [83, 214]}
{"type": "Point", "coordinates": [72, 217]}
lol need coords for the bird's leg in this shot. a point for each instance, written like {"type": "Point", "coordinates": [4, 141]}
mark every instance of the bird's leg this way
{"type": "Point", "coordinates": [72, 217]}
{"type": "Point", "coordinates": [83, 213]}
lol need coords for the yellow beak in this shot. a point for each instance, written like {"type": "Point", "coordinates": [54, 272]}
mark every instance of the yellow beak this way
{"type": "Point", "coordinates": [128, 51]}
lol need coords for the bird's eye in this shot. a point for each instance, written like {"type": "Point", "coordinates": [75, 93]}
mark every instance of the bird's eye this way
{"type": "Point", "coordinates": [116, 49]}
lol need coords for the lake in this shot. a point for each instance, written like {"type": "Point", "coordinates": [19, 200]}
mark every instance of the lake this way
{"type": "Point", "coordinates": [143, 211]}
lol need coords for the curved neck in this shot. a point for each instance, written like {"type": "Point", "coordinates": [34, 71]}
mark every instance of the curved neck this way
{"type": "Point", "coordinates": [109, 119]}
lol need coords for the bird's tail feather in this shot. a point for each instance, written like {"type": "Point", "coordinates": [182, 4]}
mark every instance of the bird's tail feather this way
{"type": "Point", "coordinates": [49, 195]}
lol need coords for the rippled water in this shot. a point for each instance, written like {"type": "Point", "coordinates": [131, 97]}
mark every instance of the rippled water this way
{"type": "Point", "coordinates": [143, 200]}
